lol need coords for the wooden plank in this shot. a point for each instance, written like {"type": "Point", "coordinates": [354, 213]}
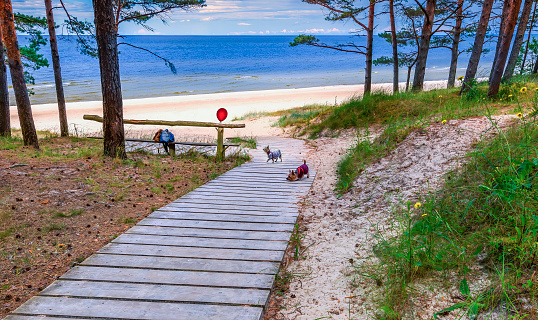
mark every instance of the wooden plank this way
{"type": "Point", "coordinates": [161, 214]}
{"type": "Point", "coordinates": [284, 213]}
{"type": "Point", "coordinates": [192, 278]}
{"type": "Point", "coordinates": [269, 169]}
{"type": "Point", "coordinates": [172, 263]}
{"type": "Point", "coordinates": [252, 204]}
{"type": "Point", "coordinates": [157, 292]}
{"type": "Point", "coordinates": [242, 190]}
{"type": "Point", "coordinates": [137, 310]}
{"type": "Point", "coordinates": [222, 225]}
{"type": "Point", "coordinates": [284, 186]}
{"type": "Point", "coordinates": [275, 200]}
{"type": "Point", "coordinates": [298, 192]}
{"type": "Point", "coordinates": [200, 242]}
{"type": "Point", "coordinates": [246, 208]}
{"type": "Point", "coordinates": [281, 185]}
{"type": "Point", "coordinates": [22, 317]}
{"type": "Point", "coordinates": [262, 179]}
{"type": "Point", "coordinates": [261, 184]}
{"type": "Point", "coordinates": [200, 253]}
{"type": "Point", "coordinates": [210, 233]}
{"type": "Point", "coordinates": [260, 194]}
{"type": "Point", "coordinates": [269, 198]}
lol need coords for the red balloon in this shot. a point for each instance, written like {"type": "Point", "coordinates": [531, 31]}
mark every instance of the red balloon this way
{"type": "Point", "coordinates": [222, 114]}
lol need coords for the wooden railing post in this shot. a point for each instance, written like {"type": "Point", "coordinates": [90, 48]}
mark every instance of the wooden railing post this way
{"type": "Point", "coordinates": [220, 144]}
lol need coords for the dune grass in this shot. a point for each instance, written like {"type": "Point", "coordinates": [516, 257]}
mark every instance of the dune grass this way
{"type": "Point", "coordinates": [398, 115]}
{"type": "Point", "coordinates": [486, 217]}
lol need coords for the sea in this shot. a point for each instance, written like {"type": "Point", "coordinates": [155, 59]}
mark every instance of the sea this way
{"type": "Point", "coordinates": [214, 64]}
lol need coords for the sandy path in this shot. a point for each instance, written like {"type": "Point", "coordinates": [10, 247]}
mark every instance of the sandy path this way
{"type": "Point", "coordinates": [341, 229]}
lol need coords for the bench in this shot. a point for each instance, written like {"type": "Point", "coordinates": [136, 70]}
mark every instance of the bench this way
{"type": "Point", "coordinates": [221, 147]}
{"type": "Point", "coordinates": [172, 145]}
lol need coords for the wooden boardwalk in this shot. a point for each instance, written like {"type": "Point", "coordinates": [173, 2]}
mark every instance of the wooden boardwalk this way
{"type": "Point", "coordinates": [211, 254]}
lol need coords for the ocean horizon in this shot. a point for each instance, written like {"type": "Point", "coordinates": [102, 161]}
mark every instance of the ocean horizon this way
{"type": "Point", "coordinates": [217, 64]}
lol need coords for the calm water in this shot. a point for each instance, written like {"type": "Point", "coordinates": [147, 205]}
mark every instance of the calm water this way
{"type": "Point", "coordinates": [209, 64]}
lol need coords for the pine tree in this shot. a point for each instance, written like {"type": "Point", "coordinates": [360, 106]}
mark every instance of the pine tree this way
{"type": "Point", "coordinates": [344, 10]}
{"type": "Point", "coordinates": [64, 130]}
{"type": "Point", "coordinates": [24, 108]}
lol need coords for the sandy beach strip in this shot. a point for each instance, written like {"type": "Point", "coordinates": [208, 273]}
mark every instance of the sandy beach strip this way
{"type": "Point", "coordinates": [201, 107]}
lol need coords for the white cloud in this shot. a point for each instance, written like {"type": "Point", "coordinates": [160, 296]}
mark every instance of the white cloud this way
{"type": "Point", "coordinates": [241, 33]}
{"type": "Point", "coordinates": [221, 6]}
{"type": "Point", "coordinates": [145, 32]}
{"type": "Point", "coordinates": [208, 19]}
{"type": "Point", "coordinates": [335, 30]}
{"type": "Point", "coordinates": [243, 24]}
{"type": "Point", "coordinates": [314, 31]}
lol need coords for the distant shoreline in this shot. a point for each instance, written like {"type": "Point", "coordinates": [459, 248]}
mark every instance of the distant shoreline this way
{"type": "Point", "coordinates": [201, 107]}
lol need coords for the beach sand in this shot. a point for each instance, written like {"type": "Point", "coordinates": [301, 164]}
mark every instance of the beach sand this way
{"type": "Point", "coordinates": [199, 108]}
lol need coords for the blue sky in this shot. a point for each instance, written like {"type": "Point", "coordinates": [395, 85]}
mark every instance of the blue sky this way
{"type": "Point", "coordinates": [219, 17]}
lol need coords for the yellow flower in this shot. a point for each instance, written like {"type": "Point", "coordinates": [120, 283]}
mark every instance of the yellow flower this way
{"type": "Point", "coordinates": [509, 96]}
{"type": "Point", "coordinates": [443, 122]}
{"type": "Point", "coordinates": [483, 98]}
{"type": "Point", "coordinates": [440, 96]}
{"type": "Point", "coordinates": [460, 78]}
{"type": "Point", "coordinates": [523, 89]}
{"type": "Point", "coordinates": [418, 205]}
{"type": "Point", "coordinates": [519, 115]}
{"type": "Point", "coordinates": [424, 214]}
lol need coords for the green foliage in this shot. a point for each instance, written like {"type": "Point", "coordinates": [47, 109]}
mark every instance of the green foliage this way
{"type": "Point", "coordinates": [85, 32]}
{"type": "Point", "coordinates": [12, 142]}
{"type": "Point", "coordinates": [247, 142]}
{"type": "Point", "coordinates": [70, 214]}
{"type": "Point", "coordinates": [32, 26]}
{"type": "Point", "coordinates": [303, 39]}
{"type": "Point", "coordinates": [404, 60]}
{"type": "Point", "coordinates": [488, 208]}
{"type": "Point", "coordinates": [296, 117]}
{"type": "Point", "coordinates": [140, 12]}
{"type": "Point", "coordinates": [532, 55]}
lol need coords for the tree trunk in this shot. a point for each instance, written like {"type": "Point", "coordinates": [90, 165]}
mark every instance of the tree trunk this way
{"type": "Point", "coordinates": [481, 30]}
{"type": "Point", "coordinates": [518, 41]}
{"type": "Point", "coordinates": [502, 54]}
{"type": "Point", "coordinates": [528, 39]}
{"type": "Point", "coordinates": [424, 46]}
{"type": "Point", "coordinates": [395, 80]}
{"type": "Point", "coordinates": [64, 131]}
{"type": "Point", "coordinates": [107, 46]}
{"type": "Point", "coordinates": [5, 125]}
{"type": "Point", "coordinates": [24, 109]}
{"type": "Point", "coordinates": [506, 7]}
{"type": "Point", "coordinates": [409, 69]}
{"type": "Point", "coordinates": [455, 46]}
{"type": "Point", "coordinates": [369, 49]}
{"type": "Point", "coordinates": [535, 68]}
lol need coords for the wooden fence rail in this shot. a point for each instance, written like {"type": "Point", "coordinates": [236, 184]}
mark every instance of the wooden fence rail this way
{"type": "Point", "coordinates": [220, 127]}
